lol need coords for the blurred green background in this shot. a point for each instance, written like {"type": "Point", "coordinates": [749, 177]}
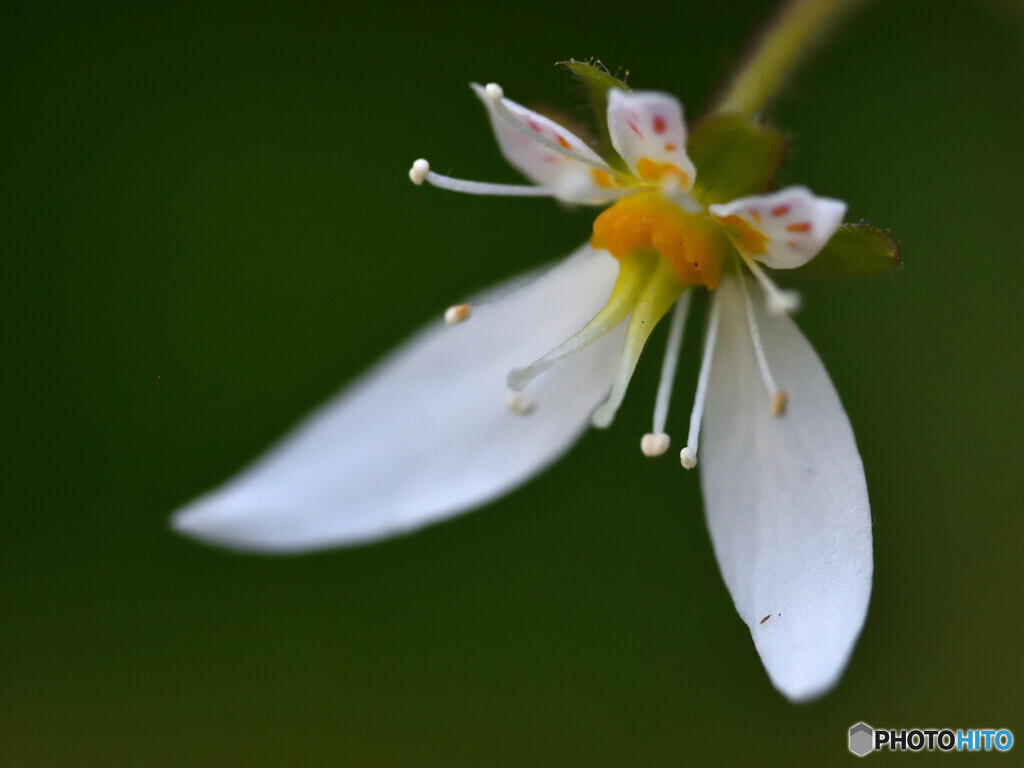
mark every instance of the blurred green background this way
{"type": "Point", "coordinates": [207, 227]}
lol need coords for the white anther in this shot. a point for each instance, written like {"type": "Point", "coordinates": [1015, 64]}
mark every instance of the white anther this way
{"type": "Point", "coordinates": [457, 314]}
{"type": "Point", "coordinates": [418, 172]}
{"type": "Point", "coordinates": [783, 302]}
{"type": "Point", "coordinates": [654, 444]}
{"type": "Point", "coordinates": [780, 302]}
{"type": "Point", "coordinates": [688, 458]}
{"type": "Point", "coordinates": [494, 91]}
{"type": "Point", "coordinates": [519, 404]}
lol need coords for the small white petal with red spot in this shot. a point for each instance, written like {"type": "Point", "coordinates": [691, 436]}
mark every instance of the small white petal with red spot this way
{"type": "Point", "coordinates": [547, 153]}
{"type": "Point", "coordinates": [795, 222]}
{"type": "Point", "coordinates": [647, 129]}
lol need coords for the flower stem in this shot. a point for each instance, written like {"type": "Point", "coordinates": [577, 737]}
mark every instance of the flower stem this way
{"type": "Point", "coordinates": [799, 26]}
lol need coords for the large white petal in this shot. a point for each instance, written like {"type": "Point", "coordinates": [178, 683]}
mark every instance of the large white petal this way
{"type": "Point", "coordinates": [426, 433]}
{"type": "Point", "coordinates": [786, 502]}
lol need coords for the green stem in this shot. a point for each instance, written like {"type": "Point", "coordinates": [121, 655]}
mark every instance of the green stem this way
{"type": "Point", "coordinates": [799, 26]}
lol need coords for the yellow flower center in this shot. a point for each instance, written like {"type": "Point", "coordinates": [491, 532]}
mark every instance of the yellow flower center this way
{"type": "Point", "coordinates": [692, 243]}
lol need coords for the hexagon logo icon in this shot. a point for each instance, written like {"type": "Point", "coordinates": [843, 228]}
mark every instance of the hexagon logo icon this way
{"type": "Point", "coordinates": [862, 739]}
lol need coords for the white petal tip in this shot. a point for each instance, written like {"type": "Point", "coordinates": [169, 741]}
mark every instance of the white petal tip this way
{"type": "Point", "coordinates": [784, 302]}
{"type": "Point", "coordinates": [494, 91]}
{"type": "Point", "coordinates": [654, 444]}
{"type": "Point", "coordinates": [458, 313]}
{"type": "Point", "coordinates": [203, 523]}
{"type": "Point", "coordinates": [688, 458]}
{"type": "Point", "coordinates": [832, 212]}
{"type": "Point", "coordinates": [224, 527]}
{"type": "Point", "coordinates": [519, 404]}
{"type": "Point", "coordinates": [182, 522]}
{"type": "Point", "coordinates": [418, 172]}
{"type": "Point", "coordinates": [801, 673]}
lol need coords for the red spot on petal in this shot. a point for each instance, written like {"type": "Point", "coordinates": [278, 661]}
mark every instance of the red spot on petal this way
{"type": "Point", "coordinates": [562, 142]}
{"type": "Point", "coordinates": [670, 147]}
{"type": "Point", "coordinates": [635, 130]}
{"type": "Point", "coordinates": [534, 125]}
{"type": "Point", "coordinates": [659, 124]}
{"type": "Point", "coordinates": [803, 226]}
{"type": "Point", "coordinates": [782, 210]}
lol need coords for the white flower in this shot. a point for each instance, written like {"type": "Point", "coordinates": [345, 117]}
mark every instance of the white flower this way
{"type": "Point", "coordinates": [472, 407]}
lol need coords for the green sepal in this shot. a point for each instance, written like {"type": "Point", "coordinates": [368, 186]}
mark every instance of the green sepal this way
{"type": "Point", "coordinates": [855, 249]}
{"type": "Point", "coordinates": [734, 157]}
{"type": "Point", "coordinates": [597, 81]}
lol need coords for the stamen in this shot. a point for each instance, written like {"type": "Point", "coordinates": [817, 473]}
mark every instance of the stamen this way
{"type": "Point", "coordinates": [688, 456]}
{"type": "Point", "coordinates": [458, 313]}
{"type": "Point", "coordinates": [634, 272]}
{"type": "Point", "coordinates": [657, 442]}
{"type": "Point", "coordinates": [779, 301]}
{"type": "Point", "coordinates": [519, 404]}
{"type": "Point", "coordinates": [777, 395]}
{"type": "Point", "coordinates": [671, 361]}
{"type": "Point", "coordinates": [421, 172]}
{"type": "Point", "coordinates": [654, 301]}
{"type": "Point", "coordinates": [497, 95]}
